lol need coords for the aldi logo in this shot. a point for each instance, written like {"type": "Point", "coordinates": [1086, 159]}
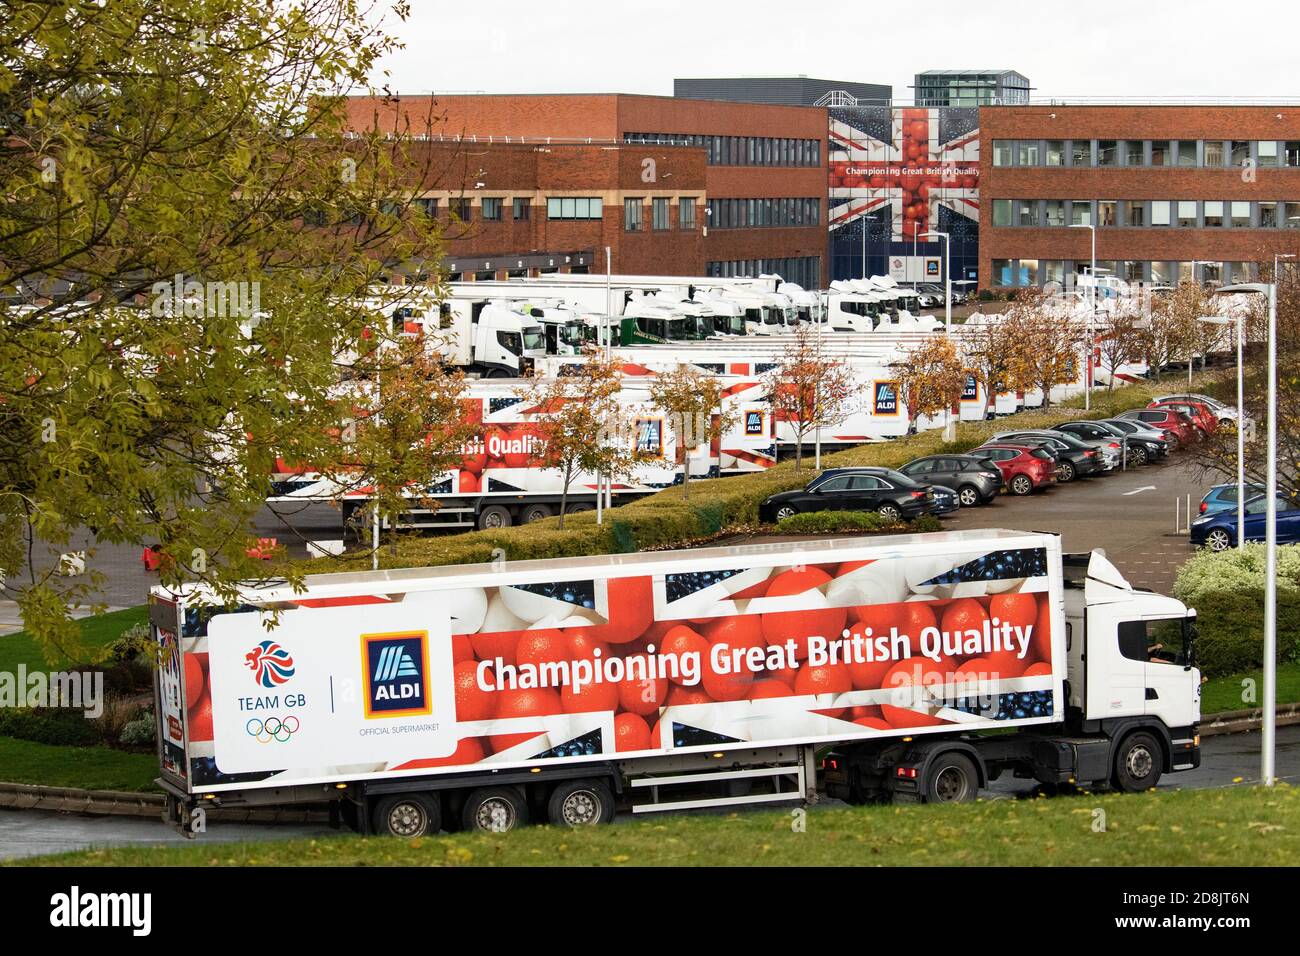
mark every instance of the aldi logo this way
{"type": "Point", "coordinates": [397, 673]}
{"type": "Point", "coordinates": [970, 392]}
{"type": "Point", "coordinates": [754, 423]}
{"type": "Point", "coordinates": [886, 398]}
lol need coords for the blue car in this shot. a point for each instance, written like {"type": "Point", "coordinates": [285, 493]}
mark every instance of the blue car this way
{"type": "Point", "coordinates": [945, 501]}
{"type": "Point", "coordinates": [1224, 497]}
{"type": "Point", "coordinates": [1219, 531]}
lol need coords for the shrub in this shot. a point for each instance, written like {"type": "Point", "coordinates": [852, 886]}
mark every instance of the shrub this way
{"type": "Point", "coordinates": [1227, 591]}
{"type": "Point", "coordinates": [139, 732]}
{"type": "Point", "coordinates": [925, 524]}
{"type": "Point", "coordinates": [53, 725]}
{"type": "Point", "coordinates": [831, 522]}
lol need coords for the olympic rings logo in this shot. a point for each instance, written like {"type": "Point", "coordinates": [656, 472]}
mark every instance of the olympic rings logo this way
{"type": "Point", "coordinates": [272, 728]}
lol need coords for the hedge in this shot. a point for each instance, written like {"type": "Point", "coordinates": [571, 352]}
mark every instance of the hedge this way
{"type": "Point", "coordinates": [1227, 591]}
{"type": "Point", "coordinates": [714, 506]}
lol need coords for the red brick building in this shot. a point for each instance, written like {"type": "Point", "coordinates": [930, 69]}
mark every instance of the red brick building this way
{"type": "Point", "coordinates": [671, 186]}
{"type": "Point", "coordinates": [1172, 191]}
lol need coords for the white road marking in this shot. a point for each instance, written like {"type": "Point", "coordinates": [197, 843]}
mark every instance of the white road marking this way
{"type": "Point", "coordinates": [1137, 491]}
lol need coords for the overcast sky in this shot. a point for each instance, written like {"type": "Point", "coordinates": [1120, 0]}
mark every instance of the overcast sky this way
{"type": "Point", "coordinates": [1097, 48]}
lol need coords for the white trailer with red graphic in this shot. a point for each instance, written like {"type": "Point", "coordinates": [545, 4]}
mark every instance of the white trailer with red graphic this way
{"type": "Point", "coordinates": [504, 479]}
{"type": "Point", "coordinates": [487, 695]}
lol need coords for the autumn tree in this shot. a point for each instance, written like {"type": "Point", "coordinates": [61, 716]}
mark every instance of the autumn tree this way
{"type": "Point", "coordinates": [1044, 341]}
{"type": "Point", "coordinates": [930, 377]}
{"type": "Point", "coordinates": [187, 235]}
{"type": "Point", "coordinates": [808, 388]}
{"type": "Point", "coordinates": [1121, 338]}
{"type": "Point", "coordinates": [581, 426]}
{"type": "Point", "coordinates": [692, 404]}
{"type": "Point", "coordinates": [1172, 327]}
{"type": "Point", "coordinates": [986, 350]}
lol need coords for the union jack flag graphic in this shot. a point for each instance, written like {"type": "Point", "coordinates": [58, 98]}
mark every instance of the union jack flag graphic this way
{"type": "Point", "coordinates": [903, 166]}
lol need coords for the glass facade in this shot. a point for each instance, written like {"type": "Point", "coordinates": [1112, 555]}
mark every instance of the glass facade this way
{"type": "Point", "coordinates": [741, 150]}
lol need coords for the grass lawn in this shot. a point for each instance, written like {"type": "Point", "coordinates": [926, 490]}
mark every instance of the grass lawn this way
{"type": "Point", "coordinates": [1224, 693]}
{"type": "Point", "coordinates": [1253, 826]}
{"type": "Point", "coordinates": [97, 631]}
{"type": "Point", "coordinates": [91, 768]}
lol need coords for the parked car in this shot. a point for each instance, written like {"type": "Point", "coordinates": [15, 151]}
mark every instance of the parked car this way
{"type": "Point", "coordinates": [1218, 531]}
{"type": "Point", "coordinates": [1166, 419]}
{"type": "Point", "coordinates": [1201, 415]}
{"type": "Point", "coordinates": [1159, 442]}
{"type": "Point", "coordinates": [945, 501]}
{"type": "Point", "coordinates": [1223, 411]}
{"type": "Point", "coordinates": [974, 478]}
{"type": "Point", "coordinates": [1108, 437]}
{"type": "Point", "coordinates": [885, 491]}
{"type": "Point", "coordinates": [1075, 457]}
{"type": "Point", "coordinates": [1224, 497]}
{"type": "Point", "coordinates": [1025, 468]}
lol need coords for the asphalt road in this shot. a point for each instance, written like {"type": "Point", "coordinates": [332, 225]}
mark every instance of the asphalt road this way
{"type": "Point", "coordinates": [1227, 760]}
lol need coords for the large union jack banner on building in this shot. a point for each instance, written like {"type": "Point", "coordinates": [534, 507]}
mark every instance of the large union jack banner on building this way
{"type": "Point", "coordinates": [901, 167]}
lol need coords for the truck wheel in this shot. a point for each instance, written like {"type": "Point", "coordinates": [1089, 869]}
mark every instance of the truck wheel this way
{"type": "Point", "coordinates": [579, 507]}
{"type": "Point", "coordinates": [1137, 763]}
{"type": "Point", "coordinates": [407, 815]}
{"type": "Point", "coordinates": [951, 779]}
{"type": "Point", "coordinates": [1021, 485]}
{"type": "Point", "coordinates": [494, 516]}
{"type": "Point", "coordinates": [494, 810]}
{"type": "Point", "coordinates": [580, 803]}
{"type": "Point", "coordinates": [531, 513]}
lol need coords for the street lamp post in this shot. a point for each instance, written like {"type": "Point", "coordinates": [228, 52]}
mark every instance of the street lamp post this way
{"type": "Point", "coordinates": [1268, 727]}
{"type": "Point", "coordinates": [1240, 333]}
{"type": "Point", "coordinates": [1092, 308]}
{"type": "Point", "coordinates": [949, 426]}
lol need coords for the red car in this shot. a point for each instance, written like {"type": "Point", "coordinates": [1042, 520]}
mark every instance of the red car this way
{"type": "Point", "coordinates": [1025, 468]}
{"type": "Point", "coordinates": [1167, 420]}
{"type": "Point", "coordinates": [1202, 416]}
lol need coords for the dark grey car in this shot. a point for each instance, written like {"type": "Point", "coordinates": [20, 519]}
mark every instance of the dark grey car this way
{"type": "Point", "coordinates": [974, 478]}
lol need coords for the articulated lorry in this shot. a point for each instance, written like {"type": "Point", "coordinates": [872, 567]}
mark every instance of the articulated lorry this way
{"type": "Point", "coordinates": [566, 690]}
{"type": "Point", "coordinates": [504, 478]}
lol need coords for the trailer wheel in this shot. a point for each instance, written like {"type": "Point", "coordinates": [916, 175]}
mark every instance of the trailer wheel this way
{"type": "Point", "coordinates": [580, 803]}
{"type": "Point", "coordinates": [579, 507]}
{"type": "Point", "coordinates": [494, 810]}
{"type": "Point", "coordinates": [1137, 763]}
{"type": "Point", "coordinates": [533, 513]}
{"type": "Point", "coordinates": [494, 516]}
{"type": "Point", "coordinates": [951, 779]}
{"type": "Point", "coordinates": [407, 815]}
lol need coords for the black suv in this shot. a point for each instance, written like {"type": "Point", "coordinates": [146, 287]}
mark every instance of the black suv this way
{"type": "Point", "coordinates": [889, 493]}
{"type": "Point", "coordinates": [974, 478]}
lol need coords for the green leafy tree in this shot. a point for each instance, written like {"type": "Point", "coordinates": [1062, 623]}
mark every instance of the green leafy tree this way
{"type": "Point", "coordinates": [692, 402]}
{"type": "Point", "coordinates": [185, 242]}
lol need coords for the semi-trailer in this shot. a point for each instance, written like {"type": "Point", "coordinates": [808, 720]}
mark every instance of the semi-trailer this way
{"type": "Point", "coordinates": [908, 668]}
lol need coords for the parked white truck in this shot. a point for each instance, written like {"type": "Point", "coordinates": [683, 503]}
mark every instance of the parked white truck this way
{"type": "Point", "coordinates": [484, 696]}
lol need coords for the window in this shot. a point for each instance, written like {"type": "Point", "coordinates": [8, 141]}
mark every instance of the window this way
{"type": "Point", "coordinates": [1027, 153]}
{"type": "Point", "coordinates": [632, 210]}
{"type": "Point", "coordinates": [571, 207]}
{"type": "Point", "coordinates": [1002, 212]}
{"type": "Point", "coordinates": [1054, 212]}
{"type": "Point", "coordinates": [1028, 272]}
{"type": "Point", "coordinates": [867, 483]}
{"type": "Point", "coordinates": [1214, 152]}
{"type": "Point", "coordinates": [686, 214]}
{"type": "Point", "coordinates": [1133, 152]}
{"type": "Point", "coordinates": [459, 208]}
{"type": "Point", "coordinates": [1291, 215]}
{"type": "Point", "coordinates": [1267, 152]}
{"type": "Point", "coordinates": [1240, 153]}
{"type": "Point", "coordinates": [1106, 212]}
{"type": "Point", "coordinates": [659, 213]}
{"type": "Point", "coordinates": [1027, 212]}
{"type": "Point", "coordinates": [1160, 153]}
{"type": "Point", "coordinates": [1137, 213]}
{"type": "Point", "coordinates": [1107, 152]}
{"type": "Point", "coordinates": [519, 209]}
{"type": "Point", "coordinates": [1186, 152]}
{"type": "Point", "coordinates": [1002, 152]}
{"type": "Point", "coordinates": [428, 206]}
{"type": "Point", "coordinates": [1054, 270]}
{"type": "Point", "coordinates": [1081, 152]}
{"type": "Point", "coordinates": [1240, 214]}
{"type": "Point", "coordinates": [1054, 153]}
{"type": "Point", "coordinates": [1161, 273]}
{"type": "Point", "coordinates": [1080, 213]}
{"type": "Point", "coordinates": [1186, 212]}
{"type": "Point", "coordinates": [1214, 212]}
{"type": "Point", "coordinates": [1002, 272]}
{"type": "Point", "coordinates": [491, 210]}
{"type": "Point", "coordinates": [1268, 215]}
{"type": "Point", "coordinates": [1292, 153]}
{"type": "Point", "coordinates": [1160, 212]}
